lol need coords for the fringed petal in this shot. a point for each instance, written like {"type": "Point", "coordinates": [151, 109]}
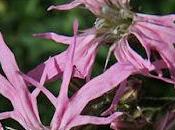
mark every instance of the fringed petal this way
{"type": "Point", "coordinates": [85, 53]}
{"type": "Point", "coordinates": [84, 120]}
{"type": "Point", "coordinates": [102, 84]}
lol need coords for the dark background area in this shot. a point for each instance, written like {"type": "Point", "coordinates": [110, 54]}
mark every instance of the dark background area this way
{"type": "Point", "coordinates": [19, 19]}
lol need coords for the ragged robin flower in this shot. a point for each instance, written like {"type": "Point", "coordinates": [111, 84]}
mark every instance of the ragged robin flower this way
{"type": "Point", "coordinates": [116, 25]}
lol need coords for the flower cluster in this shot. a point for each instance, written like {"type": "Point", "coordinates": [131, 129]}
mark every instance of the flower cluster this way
{"type": "Point", "coordinates": [116, 25]}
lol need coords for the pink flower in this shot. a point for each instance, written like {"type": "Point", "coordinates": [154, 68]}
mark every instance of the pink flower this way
{"type": "Point", "coordinates": [153, 32]}
{"type": "Point", "coordinates": [68, 110]}
{"type": "Point", "coordinates": [87, 45]}
{"type": "Point", "coordinates": [115, 24]}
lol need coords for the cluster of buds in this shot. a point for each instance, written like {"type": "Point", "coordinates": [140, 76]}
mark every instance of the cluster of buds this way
{"type": "Point", "coordinates": [115, 25]}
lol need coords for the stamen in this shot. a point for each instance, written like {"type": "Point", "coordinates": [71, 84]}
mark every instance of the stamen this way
{"type": "Point", "coordinates": [114, 22]}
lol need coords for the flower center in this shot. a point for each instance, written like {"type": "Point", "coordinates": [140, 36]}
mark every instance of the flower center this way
{"type": "Point", "coordinates": [113, 23]}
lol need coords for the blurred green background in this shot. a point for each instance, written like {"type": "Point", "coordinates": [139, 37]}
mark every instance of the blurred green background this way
{"type": "Point", "coordinates": [19, 19]}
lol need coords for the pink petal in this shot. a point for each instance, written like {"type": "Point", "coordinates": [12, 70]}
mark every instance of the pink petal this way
{"type": "Point", "coordinates": [53, 68]}
{"type": "Point", "coordinates": [5, 115]}
{"type": "Point", "coordinates": [157, 32]}
{"type": "Point", "coordinates": [9, 65]}
{"type": "Point", "coordinates": [68, 6]}
{"type": "Point", "coordinates": [166, 21]}
{"type": "Point", "coordinates": [49, 95]}
{"type": "Point", "coordinates": [63, 94]}
{"type": "Point", "coordinates": [69, 65]}
{"type": "Point", "coordinates": [85, 53]}
{"type": "Point", "coordinates": [55, 37]}
{"type": "Point", "coordinates": [119, 93]}
{"type": "Point", "coordinates": [6, 89]}
{"type": "Point", "coordinates": [124, 53]}
{"type": "Point", "coordinates": [10, 68]}
{"type": "Point", "coordinates": [35, 94]}
{"type": "Point", "coordinates": [84, 120]}
{"type": "Point", "coordinates": [94, 6]}
{"type": "Point", "coordinates": [101, 84]}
